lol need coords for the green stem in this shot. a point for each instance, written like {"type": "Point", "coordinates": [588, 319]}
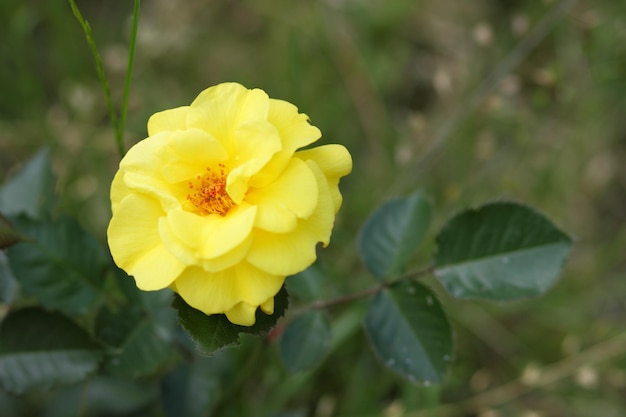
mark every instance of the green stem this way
{"type": "Point", "coordinates": [321, 305]}
{"type": "Point", "coordinates": [118, 124]}
{"type": "Point", "coordinates": [129, 71]}
{"type": "Point", "coordinates": [98, 60]}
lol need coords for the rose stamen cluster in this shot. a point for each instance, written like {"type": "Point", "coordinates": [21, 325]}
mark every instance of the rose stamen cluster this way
{"type": "Point", "coordinates": [209, 195]}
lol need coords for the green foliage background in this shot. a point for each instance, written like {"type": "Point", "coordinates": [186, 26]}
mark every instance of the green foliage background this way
{"type": "Point", "coordinates": [422, 95]}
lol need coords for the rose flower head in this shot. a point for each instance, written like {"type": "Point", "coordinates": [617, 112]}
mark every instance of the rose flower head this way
{"type": "Point", "coordinates": [219, 205]}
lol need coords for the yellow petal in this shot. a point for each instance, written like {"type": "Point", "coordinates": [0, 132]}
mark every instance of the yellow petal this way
{"type": "Point", "coordinates": [290, 253]}
{"type": "Point", "coordinates": [145, 155]}
{"type": "Point", "coordinates": [136, 246]}
{"type": "Point", "coordinates": [285, 254]}
{"type": "Point", "coordinates": [168, 120]}
{"type": "Point", "coordinates": [268, 306]}
{"type": "Point", "coordinates": [335, 162]}
{"type": "Point", "coordinates": [294, 127]}
{"type": "Point", "coordinates": [221, 109]}
{"type": "Point", "coordinates": [242, 314]}
{"type": "Point", "coordinates": [293, 195]}
{"type": "Point", "coordinates": [188, 247]}
{"type": "Point", "coordinates": [222, 234]}
{"type": "Point", "coordinates": [154, 186]}
{"type": "Point", "coordinates": [295, 132]}
{"type": "Point", "coordinates": [175, 246]}
{"type": "Point", "coordinates": [211, 293]}
{"type": "Point", "coordinates": [190, 236]}
{"type": "Point", "coordinates": [255, 144]}
{"type": "Point", "coordinates": [217, 293]}
{"type": "Point", "coordinates": [321, 223]}
{"type": "Point", "coordinates": [141, 166]}
{"type": "Point", "coordinates": [189, 228]}
{"type": "Point", "coordinates": [189, 153]}
{"type": "Point", "coordinates": [119, 190]}
{"type": "Point", "coordinates": [229, 259]}
{"type": "Point", "coordinates": [156, 269]}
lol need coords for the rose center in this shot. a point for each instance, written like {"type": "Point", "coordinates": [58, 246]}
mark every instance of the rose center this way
{"type": "Point", "coordinates": [208, 192]}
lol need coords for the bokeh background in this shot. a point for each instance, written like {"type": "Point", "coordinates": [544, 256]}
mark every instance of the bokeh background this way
{"type": "Point", "coordinates": [469, 101]}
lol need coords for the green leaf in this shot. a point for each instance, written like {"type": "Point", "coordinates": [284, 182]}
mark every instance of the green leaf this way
{"type": "Point", "coordinates": [501, 251]}
{"type": "Point", "coordinates": [305, 341]}
{"type": "Point", "coordinates": [144, 350]}
{"type": "Point", "coordinates": [214, 332]}
{"type": "Point", "coordinates": [140, 330]}
{"type": "Point", "coordinates": [62, 267]}
{"type": "Point", "coordinates": [410, 333]}
{"type": "Point", "coordinates": [392, 234]}
{"type": "Point", "coordinates": [8, 235]}
{"type": "Point", "coordinates": [41, 349]}
{"type": "Point", "coordinates": [104, 396]}
{"type": "Point", "coordinates": [31, 190]}
{"type": "Point", "coordinates": [8, 285]}
{"type": "Point", "coordinates": [307, 284]}
{"type": "Point", "coordinates": [194, 389]}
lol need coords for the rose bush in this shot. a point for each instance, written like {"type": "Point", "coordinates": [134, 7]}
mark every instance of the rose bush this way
{"type": "Point", "coordinates": [218, 203]}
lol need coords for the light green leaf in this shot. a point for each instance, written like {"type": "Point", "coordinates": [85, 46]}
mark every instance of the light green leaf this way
{"type": "Point", "coordinates": [305, 341]}
{"type": "Point", "coordinates": [501, 251]}
{"type": "Point", "coordinates": [62, 267]}
{"type": "Point", "coordinates": [392, 234]}
{"type": "Point", "coordinates": [41, 349]}
{"type": "Point", "coordinates": [31, 190]}
{"type": "Point", "coordinates": [409, 332]}
{"type": "Point", "coordinates": [212, 333]}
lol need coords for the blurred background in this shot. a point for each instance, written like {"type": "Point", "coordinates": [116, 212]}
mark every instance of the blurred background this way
{"type": "Point", "coordinates": [469, 101]}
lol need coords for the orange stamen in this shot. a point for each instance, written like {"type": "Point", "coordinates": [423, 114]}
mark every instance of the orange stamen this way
{"type": "Point", "coordinates": [209, 194]}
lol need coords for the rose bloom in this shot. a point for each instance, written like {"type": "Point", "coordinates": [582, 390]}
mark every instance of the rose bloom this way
{"type": "Point", "coordinates": [218, 203]}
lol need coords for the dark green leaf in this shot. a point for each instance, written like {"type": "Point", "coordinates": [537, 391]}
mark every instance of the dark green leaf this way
{"type": "Point", "coordinates": [63, 267]}
{"type": "Point", "coordinates": [105, 396]}
{"type": "Point", "coordinates": [501, 251]}
{"type": "Point", "coordinates": [31, 190]}
{"type": "Point", "coordinates": [305, 341]}
{"type": "Point", "coordinates": [194, 389]}
{"type": "Point", "coordinates": [307, 284]}
{"type": "Point", "coordinates": [8, 235]}
{"type": "Point", "coordinates": [211, 333]}
{"type": "Point", "coordinates": [392, 234]}
{"type": "Point", "coordinates": [139, 330]}
{"type": "Point", "coordinates": [410, 333]}
{"type": "Point", "coordinates": [144, 350]}
{"type": "Point", "coordinates": [8, 285]}
{"type": "Point", "coordinates": [41, 349]}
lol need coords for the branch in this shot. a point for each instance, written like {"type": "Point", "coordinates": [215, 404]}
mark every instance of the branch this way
{"type": "Point", "coordinates": [321, 304]}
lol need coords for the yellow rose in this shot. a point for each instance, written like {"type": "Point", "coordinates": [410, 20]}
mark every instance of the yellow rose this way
{"type": "Point", "coordinates": [220, 206]}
